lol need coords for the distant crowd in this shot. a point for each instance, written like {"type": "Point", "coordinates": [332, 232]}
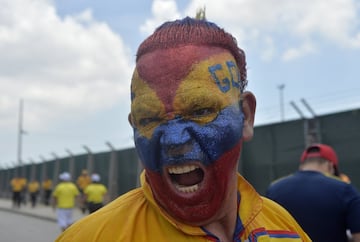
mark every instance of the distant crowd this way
{"type": "Point", "coordinates": [88, 194]}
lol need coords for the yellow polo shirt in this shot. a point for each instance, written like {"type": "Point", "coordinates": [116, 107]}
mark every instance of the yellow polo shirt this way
{"type": "Point", "coordinates": [95, 192]}
{"type": "Point", "coordinates": [83, 181]}
{"type": "Point", "coordinates": [47, 184]}
{"type": "Point", "coordinates": [33, 186]}
{"type": "Point", "coordinates": [135, 216]}
{"type": "Point", "coordinates": [65, 193]}
{"type": "Point", "coordinates": [17, 184]}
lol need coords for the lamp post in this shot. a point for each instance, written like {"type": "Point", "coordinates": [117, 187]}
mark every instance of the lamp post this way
{"type": "Point", "coordinates": [21, 132]}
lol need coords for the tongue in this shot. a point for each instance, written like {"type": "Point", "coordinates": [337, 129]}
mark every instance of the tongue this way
{"type": "Point", "coordinates": [188, 179]}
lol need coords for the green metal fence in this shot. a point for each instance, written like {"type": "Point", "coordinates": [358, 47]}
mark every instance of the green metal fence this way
{"type": "Point", "coordinates": [272, 153]}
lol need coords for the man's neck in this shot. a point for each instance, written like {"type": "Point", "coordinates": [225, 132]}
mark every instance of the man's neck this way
{"type": "Point", "coordinates": [315, 167]}
{"type": "Point", "coordinates": [224, 227]}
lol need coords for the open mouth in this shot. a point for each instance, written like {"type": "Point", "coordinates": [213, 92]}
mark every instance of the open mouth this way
{"type": "Point", "coordinates": [186, 178]}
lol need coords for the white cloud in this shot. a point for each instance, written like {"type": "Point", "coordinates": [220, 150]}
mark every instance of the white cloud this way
{"type": "Point", "coordinates": [162, 10]}
{"type": "Point", "coordinates": [72, 65]}
{"type": "Point", "coordinates": [294, 53]}
{"type": "Point", "coordinates": [292, 23]}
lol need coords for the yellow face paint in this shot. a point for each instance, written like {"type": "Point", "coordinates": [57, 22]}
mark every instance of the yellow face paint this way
{"type": "Point", "coordinates": [199, 98]}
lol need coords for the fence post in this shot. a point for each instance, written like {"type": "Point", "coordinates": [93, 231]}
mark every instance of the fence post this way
{"type": "Point", "coordinates": [113, 169]}
{"type": "Point", "coordinates": [56, 168]}
{"type": "Point", "coordinates": [71, 163]}
{"type": "Point", "coordinates": [90, 160]}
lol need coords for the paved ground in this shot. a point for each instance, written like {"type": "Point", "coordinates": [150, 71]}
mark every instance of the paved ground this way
{"type": "Point", "coordinates": [40, 211]}
{"type": "Point", "coordinates": [15, 227]}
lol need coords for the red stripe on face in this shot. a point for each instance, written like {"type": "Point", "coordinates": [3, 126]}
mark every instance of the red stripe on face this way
{"type": "Point", "coordinates": [167, 68]}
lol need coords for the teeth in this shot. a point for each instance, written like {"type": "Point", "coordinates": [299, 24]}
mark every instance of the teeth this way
{"type": "Point", "coordinates": [189, 189]}
{"type": "Point", "coordinates": [182, 169]}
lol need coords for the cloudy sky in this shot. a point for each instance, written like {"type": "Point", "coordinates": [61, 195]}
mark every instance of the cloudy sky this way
{"type": "Point", "coordinates": [70, 62]}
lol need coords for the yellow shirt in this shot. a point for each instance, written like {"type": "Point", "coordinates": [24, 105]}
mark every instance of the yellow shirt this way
{"type": "Point", "coordinates": [47, 184]}
{"type": "Point", "coordinates": [23, 181]}
{"type": "Point", "coordinates": [95, 192]}
{"type": "Point", "coordinates": [135, 216]}
{"type": "Point", "coordinates": [17, 184]}
{"type": "Point", "coordinates": [33, 186]}
{"type": "Point", "coordinates": [83, 181]}
{"type": "Point", "coordinates": [65, 194]}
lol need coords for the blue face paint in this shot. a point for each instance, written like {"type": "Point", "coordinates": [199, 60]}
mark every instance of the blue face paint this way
{"type": "Point", "coordinates": [179, 140]}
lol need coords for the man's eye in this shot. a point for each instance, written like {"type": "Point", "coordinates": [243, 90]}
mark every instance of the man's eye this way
{"type": "Point", "coordinates": [203, 115]}
{"type": "Point", "coordinates": [147, 121]}
{"type": "Point", "coordinates": [203, 112]}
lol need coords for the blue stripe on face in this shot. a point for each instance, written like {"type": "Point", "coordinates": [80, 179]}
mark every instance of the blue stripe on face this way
{"type": "Point", "coordinates": [180, 140]}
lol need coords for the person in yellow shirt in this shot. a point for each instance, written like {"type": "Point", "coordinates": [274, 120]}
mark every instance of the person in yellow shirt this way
{"type": "Point", "coordinates": [82, 182]}
{"type": "Point", "coordinates": [95, 194]}
{"type": "Point", "coordinates": [17, 186]}
{"type": "Point", "coordinates": [33, 189]}
{"type": "Point", "coordinates": [190, 115]}
{"type": "Point", "coordinates": [47, 189]}
{"type": "Point", "coordinates": [64, 200]}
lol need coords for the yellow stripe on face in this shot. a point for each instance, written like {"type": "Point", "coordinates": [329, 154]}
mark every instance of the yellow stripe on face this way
{"type": "Point", "coordinates": [199, 97]}
{"type": "Point", "coordinates": [146, 107]}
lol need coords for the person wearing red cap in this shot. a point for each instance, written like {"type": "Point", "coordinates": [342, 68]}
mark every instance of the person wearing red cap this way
{"type": "Point", "coordinates": [329, 154]}
{"type": "Point", "coordinates": [324, 206]}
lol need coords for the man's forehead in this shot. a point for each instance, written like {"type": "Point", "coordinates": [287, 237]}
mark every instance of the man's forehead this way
{"type": "Point", "coordinates": [213, 72]}
{"type": "Point", "coordinates": [160, 67]}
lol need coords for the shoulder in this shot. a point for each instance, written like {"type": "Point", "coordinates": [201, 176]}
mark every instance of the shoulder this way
{"type": "Point", "coordinates": [282, 179]}
{"type": "Point", "coordinates": [279, 219]}
{"type": "Point", "coordinates": [69, 184]}
{"type": "Point", "coordinates": [59, 186]}
{"type": "Point", "coordinates": [91, 185]}
{"type": "Point", "coordinates": [339, 185]}
{"type": "Point", "coordinates": [280, 183]}
{"type": "Point", "coordinates": [275, 209]}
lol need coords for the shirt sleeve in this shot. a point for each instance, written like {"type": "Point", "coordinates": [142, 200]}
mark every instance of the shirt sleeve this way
{"type": "Point", "coordinates": [353, 209]}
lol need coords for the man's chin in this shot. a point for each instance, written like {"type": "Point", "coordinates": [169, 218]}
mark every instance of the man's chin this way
{"type": "Point", "coordinates": [198, 215]}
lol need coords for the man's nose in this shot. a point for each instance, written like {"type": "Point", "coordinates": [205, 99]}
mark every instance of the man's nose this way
{"type": "Point", "coordinates": [176, 138]}
{"type": "Point", "coordinates": [178, 150]}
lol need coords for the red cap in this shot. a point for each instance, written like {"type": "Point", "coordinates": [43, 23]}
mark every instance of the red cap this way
{"type": "Point", "coordinates": [323, 151]}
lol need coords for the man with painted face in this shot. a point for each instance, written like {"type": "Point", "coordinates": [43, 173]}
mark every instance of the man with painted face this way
{"type": "Point", "coordinates": [190, 115]}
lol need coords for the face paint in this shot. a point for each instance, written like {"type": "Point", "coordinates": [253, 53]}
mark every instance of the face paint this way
{"type": "Point", "coordinates": [187, 127]}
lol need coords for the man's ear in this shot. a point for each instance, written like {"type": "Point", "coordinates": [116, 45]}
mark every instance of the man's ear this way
{"type": "Point", "coordinates": [248, 108]}
{"type": "Point", "coordinates": [130, 120]}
